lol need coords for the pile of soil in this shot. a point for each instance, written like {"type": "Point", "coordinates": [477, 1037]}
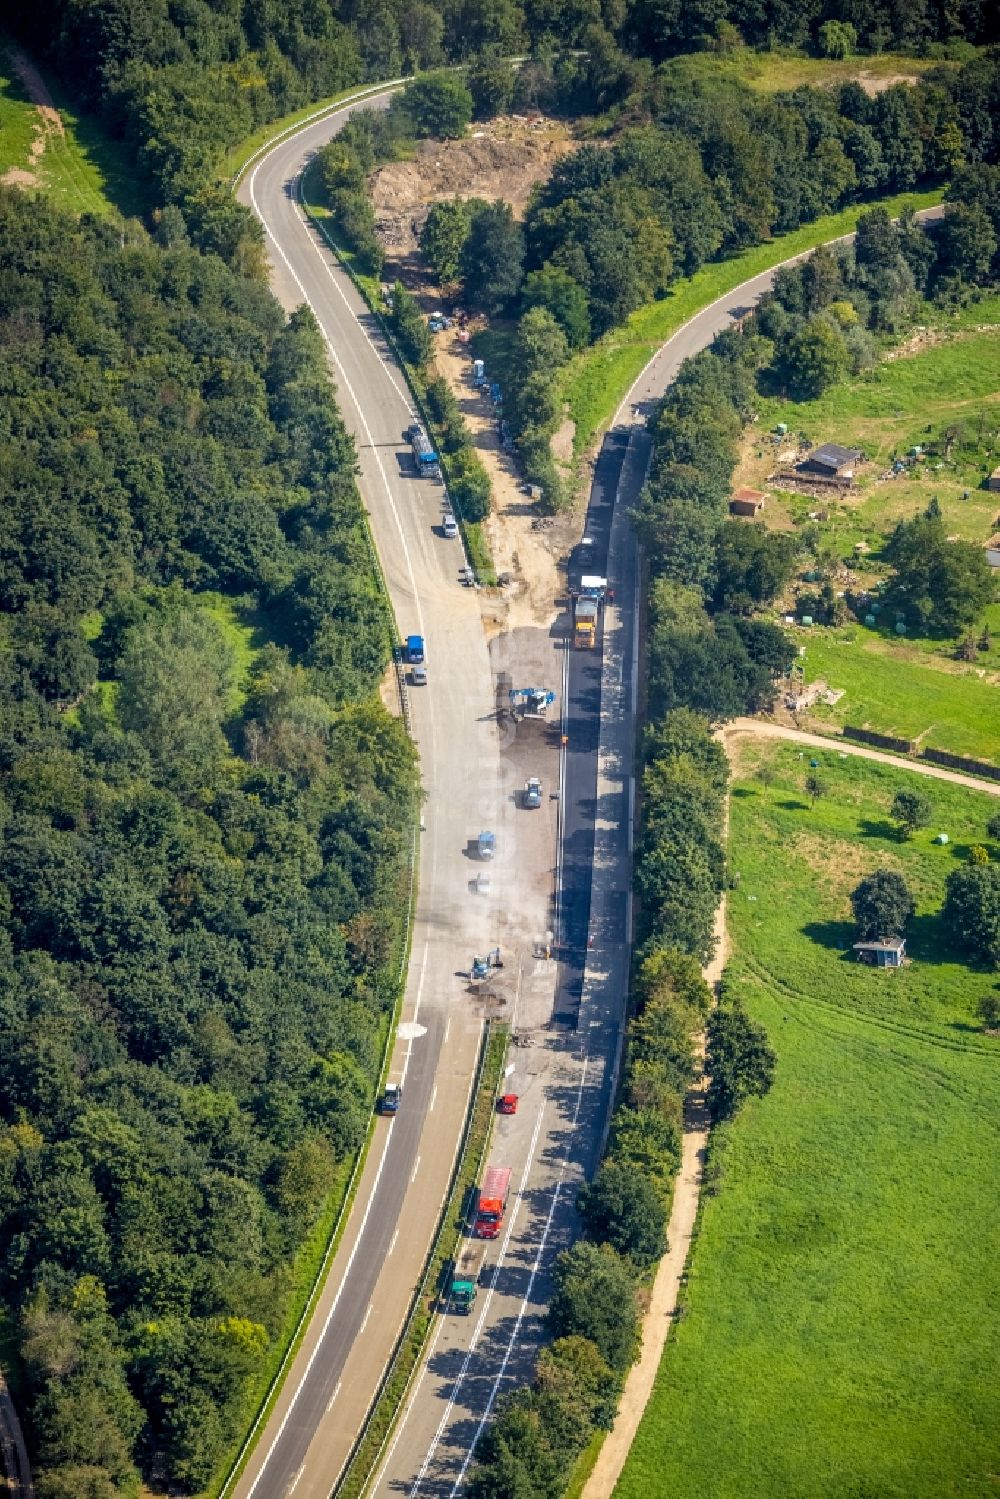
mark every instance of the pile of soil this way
{"type": "Point", "coordinates": [503, 158]}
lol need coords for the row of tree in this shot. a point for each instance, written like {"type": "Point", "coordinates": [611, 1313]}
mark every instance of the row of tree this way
{"type": "Point", "coordinates": [207, 819]}
{"type": "Point", "coordinates": [181, 85]}
{"type": "Point", "coordinates": [541, 1431]}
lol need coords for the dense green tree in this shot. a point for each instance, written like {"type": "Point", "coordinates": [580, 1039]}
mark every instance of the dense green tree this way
{"type": "Point", "coordinates": [815, 358]}
{"type": "Point", "coordinates": [555, 290]}
{"type": "Point", "coordinates": [492, 263]}
{"type": "Point", "coordinates": [943, 586]}
{"type": "Point", "coordinates": [911, 809]}
{"type": "Point", "coordinates": [739, 1060]}
{"type": "Point", "coordinates": [437, 104]}
{"type": "Point", "coordinates": [752, 565]}
{"type": "Point", "coordinates": [971, 913]}
{"type": "Point", "coordinates": [443, 236]}
{"type": "Point", "coordinates": [595, 1299]}
{"type": "Point", "coordinates": [491, 81]}
{"type": "Point", "coordinates": [410, 327]}
{"type": "Point", "coordinates": [882, 905]}
{"type": "Point", "coordinates": [621, 1207]}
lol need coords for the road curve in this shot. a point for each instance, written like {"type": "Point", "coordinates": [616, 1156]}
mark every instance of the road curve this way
{"type": "Point", "coordinates": [326, 1393]}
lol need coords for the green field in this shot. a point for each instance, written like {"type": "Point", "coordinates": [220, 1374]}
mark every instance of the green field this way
{"type": "Point", "coordinates": [80, 168]}
{"type": "Point", "coordinates": [595, 382]}
{"type": "Point", "coordinates": [896, 687]}
{"type": "Point", "coordinates": [838, 1335]}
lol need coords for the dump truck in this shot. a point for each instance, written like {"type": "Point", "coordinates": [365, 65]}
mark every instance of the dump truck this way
{"type": "Point", "coordinates": [492, 1202]}
{"type": "Point", "coordinates": [584, 623]}
{"type": "Point", "coordinates": [463, 1280]}
{"type": "Point", "coordinates": [424, 456]}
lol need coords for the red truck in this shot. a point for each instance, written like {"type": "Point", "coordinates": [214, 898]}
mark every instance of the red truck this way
{"type": "Point", "coordinates": [492, 1202]}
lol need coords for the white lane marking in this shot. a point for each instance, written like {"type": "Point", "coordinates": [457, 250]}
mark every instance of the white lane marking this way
{"type": "Point", "coordinates": [393, 1244]}
{"type": "Point", "coordinates": [561, 808]}
{"type": "Point", "coordinates": [447, 1029]}
{"type": "Point", "coordinates": [349, 388]}
{"type": "Point", "coordinates": [416, 1008]}
{"type": "Point", "coordinates": [365, 1322]}
{"type": "Point", "coordinates": [433, 1099]}
{"type": "Point", "coordinates": [404, 396]}
{"type": "Point", "coordinates": [295, 1481]}
{"type": "Point", "coordinates": [631, 812]}
{"type": "Point", "coordinates": [527, 1295]}
{"type": "Point", "coordinates": [329, 1318]}
{"type": "Point", "coordinates": [482, 1317]}
{"type": "Point", "coordinates": [416, 1168]}
{"type": "Point", "coordinates": [329, 1405]}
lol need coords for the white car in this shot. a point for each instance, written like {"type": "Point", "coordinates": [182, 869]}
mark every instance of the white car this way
{"type": "Point", "coordinates": [449, 525]}
{"type": "Point", "coordinates": [418, 675]}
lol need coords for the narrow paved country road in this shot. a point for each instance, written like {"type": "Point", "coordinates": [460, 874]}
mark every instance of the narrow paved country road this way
{"type": "Point", "coordinates": [570, 1007]}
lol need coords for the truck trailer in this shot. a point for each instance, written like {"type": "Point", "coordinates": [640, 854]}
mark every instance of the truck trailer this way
{"type": "Point", "coordinates": [424, 455]}
{"type": "Point", "coordinates": [463, 1279]}
{"type": "Point", "coordinates": [492, 1202]}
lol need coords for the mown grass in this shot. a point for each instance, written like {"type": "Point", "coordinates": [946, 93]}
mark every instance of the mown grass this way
{"type": "Point", "coordinates": [784, 68]}
{"type": "Point", "coordinates": [897, 687]}
{"type": "Point", "coordinates": [595, 382]}
{"type": "Point", "coordinates": [81, 169]}
{"type": "Point", "coordinates": [838, 1333]}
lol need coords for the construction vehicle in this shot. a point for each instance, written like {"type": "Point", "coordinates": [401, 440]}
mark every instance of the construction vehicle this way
{"type": "Point", "coordinates": [533, 793]}
{"type": "Point", "coordinates": [482, 963]}
{"type": "Point", "coordinates": [424, 456]}
{"type": "Point", "coordinates": [588, 599]}
{"type": "Point", "coordinates": [464, 1277]}
{"type": "Point", "coordinates": [530, 702]}
{"type": "Point", "coordinates": [492, 1202]}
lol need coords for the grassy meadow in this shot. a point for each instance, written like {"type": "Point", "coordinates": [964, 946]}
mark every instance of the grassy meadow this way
{"type": "Point", "coordinates": [75, 163]}
{"type": "Point", "coordinates": [838, 1335]}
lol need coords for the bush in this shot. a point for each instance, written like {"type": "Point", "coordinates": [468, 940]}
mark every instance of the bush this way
{"type": "Point", "coordinates": [410, 327]}
{"type": "Point", "coordinates": [621, 1207]}
{"type": "Point", "coordinates": [595, 1299]}
{"type": "Point", "coordinates": [436, 104]}
{"type": "Point", "coordinates": [739, 1059]}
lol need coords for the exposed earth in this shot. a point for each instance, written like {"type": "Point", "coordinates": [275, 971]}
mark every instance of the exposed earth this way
{"type": "Point", "coordinates": [49, 122]}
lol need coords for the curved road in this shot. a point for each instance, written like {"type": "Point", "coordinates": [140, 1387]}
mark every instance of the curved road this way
{"type": "Point", "coordinates": [471, 767]}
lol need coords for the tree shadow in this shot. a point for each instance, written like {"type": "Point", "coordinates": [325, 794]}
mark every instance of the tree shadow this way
{"type": "Point", "coordinates": [838, 936]}
{"type": "Point", "coordinates": [878, 827]}
{"type": "Point", "coordinates": [792, 805]}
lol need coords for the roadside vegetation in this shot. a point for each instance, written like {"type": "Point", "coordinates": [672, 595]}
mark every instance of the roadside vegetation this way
{"type": "Point", "coordinates": [834, 1258]}
{"type": "Point", "coordinates": [205, 807]}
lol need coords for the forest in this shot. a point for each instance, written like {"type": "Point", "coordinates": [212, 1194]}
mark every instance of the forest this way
{"type": "Point", "coordinates": [204, 867]}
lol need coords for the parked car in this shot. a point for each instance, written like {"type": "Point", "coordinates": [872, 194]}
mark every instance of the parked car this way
{"type": "Point", "coordinates": [486, 845]}
{"type": "Point", "coordinates": [533, 793]}
{"type": "Point", "coordinates": [450, 524]}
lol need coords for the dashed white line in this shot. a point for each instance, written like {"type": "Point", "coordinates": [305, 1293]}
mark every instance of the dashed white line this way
{"type": "Point", "coordinates": [527, 1296]}
{"type": "Point", "coordinates": [433, 1098]}
{"type": "Point", "coordinates": [416, 1168]}
{"type": "Point", "coordinates": [393, 1244]}
{"type": "Point", "coordinates": [447, 1029]}
{"type": "Point", "coordinates": [329, 1404]}
{"type": "Point", "coordinates": [365, 1322]}
{"type": "Point", "coordinates": [294, 1483]}
{"type": "Point", "coordinates": [482, 1317]}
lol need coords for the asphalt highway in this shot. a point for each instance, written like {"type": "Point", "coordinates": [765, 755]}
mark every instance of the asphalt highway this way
{"type": "Point", "coordinates": [568, 1076]}
{"type": "Point", "coordinates": [473, 1360]}
{"type": "Point", "coordinates": [327, 1391]}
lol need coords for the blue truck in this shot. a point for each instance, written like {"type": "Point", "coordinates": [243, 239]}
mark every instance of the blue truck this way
{"type": "Point", "coordinates": [424, 456]}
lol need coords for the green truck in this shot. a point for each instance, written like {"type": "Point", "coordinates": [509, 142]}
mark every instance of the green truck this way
{"type": "Point", "coordinates": [464, 1276]}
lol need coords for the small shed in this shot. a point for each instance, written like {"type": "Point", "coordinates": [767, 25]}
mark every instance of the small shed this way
{"type": "Point", "coordinates": [831, 461]}
{"type": "Point", "coordinates": [747, 502]}
{"type": "Point", "coordinates": [993, 551]}
{"type": "Point", "coordinates": [883, 952]}
{"type": "Point", "coordinates": [993, 482]}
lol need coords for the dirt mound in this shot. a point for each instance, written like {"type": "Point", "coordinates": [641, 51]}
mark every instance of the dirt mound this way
{"type": "Point", "coordinates": [501, 159]}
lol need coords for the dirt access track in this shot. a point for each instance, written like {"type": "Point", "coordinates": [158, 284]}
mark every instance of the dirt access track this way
{"type": "Point", "coordinates": [503, 158]}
